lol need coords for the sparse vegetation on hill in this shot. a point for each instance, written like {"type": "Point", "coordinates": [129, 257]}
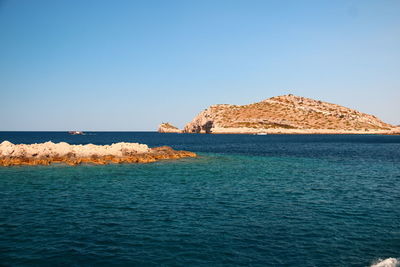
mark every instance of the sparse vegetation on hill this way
{"type": "Point", "coordinates": [284, 112]}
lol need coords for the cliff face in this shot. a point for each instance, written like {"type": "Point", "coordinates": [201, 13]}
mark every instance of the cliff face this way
{"type": "Point", "coordinates": [168, 128]}
{"type": "Point", "coordinates": [284, 114]}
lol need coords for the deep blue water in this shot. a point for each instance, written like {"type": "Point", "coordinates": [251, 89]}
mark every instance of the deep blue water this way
{"type": "Point", "coordinates": [274, 200]}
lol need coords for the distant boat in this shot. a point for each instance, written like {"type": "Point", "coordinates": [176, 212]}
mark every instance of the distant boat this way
{"type": "Point", "coordinates": [262, 134]}
{"type": "Point", "coordinates": [76, 132]}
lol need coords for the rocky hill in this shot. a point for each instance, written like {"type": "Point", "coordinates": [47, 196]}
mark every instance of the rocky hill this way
{"type": "Point", "coordinates": [285, 114]}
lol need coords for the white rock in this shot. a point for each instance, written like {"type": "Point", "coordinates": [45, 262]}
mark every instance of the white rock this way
{"type": "Point", "coordinates": [50, 149]}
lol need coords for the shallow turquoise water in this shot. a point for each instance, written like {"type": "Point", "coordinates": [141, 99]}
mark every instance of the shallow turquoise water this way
{"type": "Point", "coordinates": [247, 200]}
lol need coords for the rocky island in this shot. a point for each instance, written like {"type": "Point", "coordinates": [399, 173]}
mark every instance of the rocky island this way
{"type": "Point", "coordinates": [49, 152]}
{"type": "Point", "coordinates": [166, 127]}
{"type": "Point", "coordinates": [287, 114]}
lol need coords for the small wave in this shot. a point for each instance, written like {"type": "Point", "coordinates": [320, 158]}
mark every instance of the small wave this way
{"type": "Point", "coordinates": [389, 262]}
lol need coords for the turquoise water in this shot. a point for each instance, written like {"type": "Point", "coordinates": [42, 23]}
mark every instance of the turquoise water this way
{"type": "Point", "coordinates": [247, 200]}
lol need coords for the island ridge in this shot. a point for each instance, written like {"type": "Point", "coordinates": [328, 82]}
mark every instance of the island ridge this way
{"type": "Point", "coordinates": [287, 114]}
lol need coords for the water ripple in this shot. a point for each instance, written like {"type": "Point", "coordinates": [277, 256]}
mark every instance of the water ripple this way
{"type": "Point", "coordinates": [248, 207]}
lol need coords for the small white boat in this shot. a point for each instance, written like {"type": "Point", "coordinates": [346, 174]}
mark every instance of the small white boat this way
{"type": "Point", "coordinates": [261, 133]}
{"type": "Point", "coordinates": [76, 132]}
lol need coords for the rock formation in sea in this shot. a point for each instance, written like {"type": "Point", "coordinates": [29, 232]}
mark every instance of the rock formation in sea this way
{"type": "Point", "coordinates": [49, 152]}
{"type": "Point", "coordinates": [166, 127]}
{"type": "Point", "coordinates": [286, 114]}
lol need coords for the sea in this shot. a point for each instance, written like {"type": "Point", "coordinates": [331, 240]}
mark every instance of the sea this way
{"type": "Point", "coordinates": [246, 200]}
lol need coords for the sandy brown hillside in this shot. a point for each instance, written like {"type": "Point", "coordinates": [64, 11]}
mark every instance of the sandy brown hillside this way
{"type": "Point", "coordinates": [287, 112]}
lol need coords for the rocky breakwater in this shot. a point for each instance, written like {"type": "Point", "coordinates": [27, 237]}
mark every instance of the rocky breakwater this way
{"type": "Point", "coordinates": [49, 152]}
{"type": "Point", "coordinates": [168, 128]}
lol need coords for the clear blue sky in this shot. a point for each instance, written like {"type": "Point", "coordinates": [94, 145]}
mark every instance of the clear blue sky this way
{"type": "Point", "coordinates": [130, 65]}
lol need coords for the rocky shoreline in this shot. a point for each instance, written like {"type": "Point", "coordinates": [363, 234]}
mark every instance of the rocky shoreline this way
{"type": "Point", "coordinates": [49, 153]}
{"type": "Point", "coordinates": [300, 131]}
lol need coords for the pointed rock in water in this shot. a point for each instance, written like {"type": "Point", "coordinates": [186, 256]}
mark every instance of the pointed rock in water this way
{"type": "Point", "coordinates": [287, 114]}
{"type": "Point", "coordinates": [166, 127]}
